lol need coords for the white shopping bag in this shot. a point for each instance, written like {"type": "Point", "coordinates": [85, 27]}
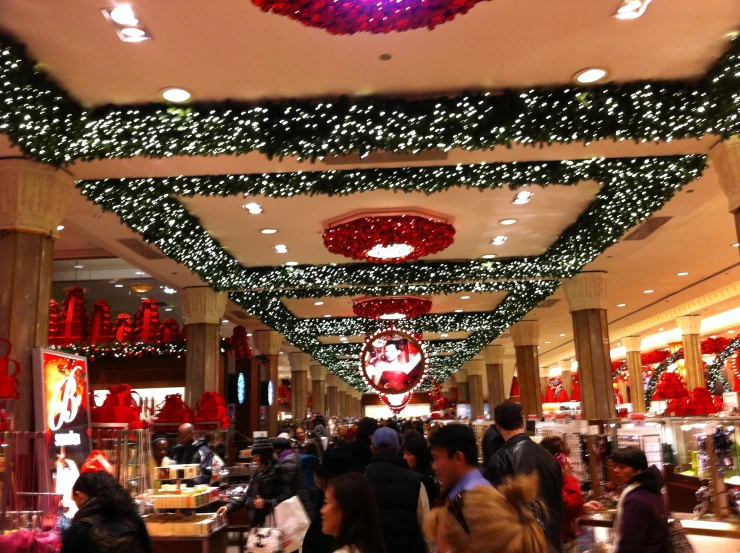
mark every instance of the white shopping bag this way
{"type": "Point", "coordinates": [291, 518]}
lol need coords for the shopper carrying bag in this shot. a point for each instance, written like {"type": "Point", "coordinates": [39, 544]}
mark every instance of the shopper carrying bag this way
{"type": "Point", "coordinates": [268, 539]}
{"type": "Point", "coordinates": [292, 520]}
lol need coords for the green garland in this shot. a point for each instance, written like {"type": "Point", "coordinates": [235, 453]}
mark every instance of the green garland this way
{"type": "Point", "coordinates": [714, 370]}
{"type": "Point", "coordinates": [51, 127]}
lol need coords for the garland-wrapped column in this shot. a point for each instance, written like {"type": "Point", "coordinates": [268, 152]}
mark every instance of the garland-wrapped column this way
{"type": "Point", "coordinates": [268, 344]}
{"type": "Point", "coordinates": [690, 326]}
{"type": "Point", "coordinates": [566, 375]}
{"type": "Point", "coordinates": [525, 335]}
{"type": "Point", "coordinates": [33, 202]}
{"type": "Point", "coordinates": [494, 359]}
{"type": "Point", "coordinates": [332, 400]}
{"type": "Point", "coordinates": [203, 309]}
{"type": "Point", "coordinates": [587, 298]}
{"type": "Point", "coordinates": [475, 368]}
{"type": "Point", "coordinates": [342, 388]}
{"type": "Point", "coordinates": [634, 365]}
{"type": "Point", "coordinates": [299, 383]}
{"type": "Point", "coordinates": [725, 159]}
{"type": "Point", "coordinates": [318, 388]}
{"type": "Point", "coordinates": [463, 391]}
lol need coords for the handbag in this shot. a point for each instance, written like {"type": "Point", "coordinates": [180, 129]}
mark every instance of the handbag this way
{"type": "Point", "coordinates": [264, 540]}
{"type": "Point", "coordinates": [677, 540]}
{"type": "Point", "coordinates": [293, 521]}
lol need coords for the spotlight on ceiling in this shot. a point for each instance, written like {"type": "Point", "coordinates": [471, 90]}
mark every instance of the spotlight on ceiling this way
{"type": "Point", "coordinates": [631, 9]}
{"type": "Point", "coordinates": [124, 15]}
{"type": "Point", "coordinates": [281, 248]}
{"type": "Point", "coordinates": [498, 240]}
{"type": "Point", "coordinates": [590, 75]}
{"type": "Point", "coordinates": [127, 23]}
{"type": "Point", "coordinates": [253, 208]}
{"type": "Point", "coordinates": [508, 221]}
{"type": "Point", "coordinates": [268, 231]}
{"type": "Point", "coordinates": [522, 197]}
{"type": "Point", "coordinates": [175, 95]}
{"type": "Point", "coordinates": [488, 256]}
{"type": "Point", "coordinates": [60, 227]}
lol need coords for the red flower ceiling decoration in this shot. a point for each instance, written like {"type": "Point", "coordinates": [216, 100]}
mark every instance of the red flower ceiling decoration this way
{"type": "Point", "coordinates": [347, 17]}
{"type": "Point", "coordinates": [391, 308]}
{"type": "Point", "coordinates": [389, 239]}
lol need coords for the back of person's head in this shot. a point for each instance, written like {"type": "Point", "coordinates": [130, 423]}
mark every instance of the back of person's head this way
{"type": "Point", "coordinates": [555, 445]}
{"type": "Point", "coordinates": [509, 415]}
{"type": "Point", "coordinates": [418, 426]}
{"type": "Point", "coordinates": [410, 434]}
{"type": "Point", "coordinates": [366, 427]}
{"type": "Point", "coordinates": [310, 448]}
{"type": "Point", "coordinates": [385, 440]}
{"type": "Point", "coordinates": [393, 424]}
{"type": "Point", "coordinates": [456, 437]}
{"type": "Point", "coordinates": [360, 525]}
{"type": "Point", "coordinates": [110, 494]}
{"type": "Point", "coordinates": [632, 457]}
{"type": "Point", "coordinates": [498, 520]}
{"type": "Point", "coordinates": [318, 419]}
{"type": "Point", "coordinates": [418, 448]}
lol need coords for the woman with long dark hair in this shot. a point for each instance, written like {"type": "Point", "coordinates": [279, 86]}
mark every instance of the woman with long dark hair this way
{"type": "Point", "coordinates": [350, 514]}
{"type": "Point", "coordinates": [419, 459]}
{"type": "Point", "coordinates": [106, 519]}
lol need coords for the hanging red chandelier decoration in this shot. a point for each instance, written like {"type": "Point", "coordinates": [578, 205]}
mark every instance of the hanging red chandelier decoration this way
{"type": "Point", "coordinates": [389, 238]}
{"type": "Point", "coordinates": [391, 308]}
{"type": "Point", "coordinates": [347, 17]}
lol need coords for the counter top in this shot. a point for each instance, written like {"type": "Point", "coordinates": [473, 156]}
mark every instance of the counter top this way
{"type": "Point", "coordinates": [705, 527]}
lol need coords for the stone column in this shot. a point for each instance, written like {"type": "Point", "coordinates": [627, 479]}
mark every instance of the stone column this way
{"type": "Point", "coordinates": [33, 202]}
{"type": "Point", "coordinates": [525, 335]}
{"type": "Point", "coordinates": [452, 390]}
{"type": "Point", "coordinates": [494, 359]}
{"type": "Point", "coordinates": [349, 399]}
{"type": "Point", "coordinates": [725, 160]}
{"type": "Point", "coordinates": [358, 405]}
{"type": "Point", "coordinates": [342, 388]}
{"type": "Point", "coordinates": [475, 368]}
{"type": "Point", "coordinates": [544, 383]}
{"type": "Point", "coordinates": [268, 343]}
{"type": "Point", "coordinates": [587, 298]}
{"type": "Point", "coordinates": [690, 326]}
{"type": "Point", "coordinates": [332, 400]}
{"type": "Point", "coordinates": [299, 383]}
{"type": "Point", "coordinates": [461, 379]}
{"type": "Point", "coordinates": [634, 365]}
{"type": "Point", "coordinates": [318, 388]}
{"type": "Point", "coordinates": [203, 309]}
{"type": "Point", "coordinates": [566, 375]}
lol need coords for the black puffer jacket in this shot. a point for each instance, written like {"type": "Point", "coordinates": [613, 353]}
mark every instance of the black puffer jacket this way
{"type": "Point", "coordinates": [197, 453]}
{"type": "Point", "coordinates": [94, 530]}
{"type": "Point", "coordinates": [520, 455]}
{"type": "Point", "coordinates": [269, 482]}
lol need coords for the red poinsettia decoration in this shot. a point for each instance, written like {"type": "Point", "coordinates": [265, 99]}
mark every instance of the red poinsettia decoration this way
{"type": "Point", "coordinates": [347, 17]}
{"type": "Point", "coordinates": [391, 308]}
{"type": "Point", "coordinates": [657, 356]}
{"type": "Point", "coordinates": [389, 239]}
{"type": "Point", "coordinates": [712, 346]}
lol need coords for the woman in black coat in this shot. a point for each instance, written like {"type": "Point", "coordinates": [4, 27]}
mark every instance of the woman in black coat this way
{"type": "Point", "coordinates": [106, 519]}
{"type": "Point", "coordinates": [419, 459]}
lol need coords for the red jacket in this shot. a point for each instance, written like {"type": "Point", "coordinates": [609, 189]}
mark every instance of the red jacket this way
{"type": "Point", "coordinates": [572, 507]}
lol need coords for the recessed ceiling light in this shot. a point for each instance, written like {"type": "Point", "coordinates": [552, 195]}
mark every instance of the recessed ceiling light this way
{"type": "Point", "coordinates": [631, 9]}
{"type": "Point", "coordinates": [547, 342]}
{"type": "Point", "coordinates": [393, 316]}
{"type": "Point", "coordinates": [590, 75]}
{"type": "Point", "coordinates": [253, 208]}
{"type": "Point", "coordinates": [224, 321]}
{"type": "Point", "coordinates": [458, 310]}
{"type": "Point", "coordinates": [648, 291]}
{"type": "Point", "coordinates": [522, 197]}
{"type": "Point", "coordinates": [168, 309]}
{"type": "Point", "coordinates": [735, 245]}
{"type": "Point", "coordinates": [124, 15]}
{"type": "Point", "coordinates": [327, 316]}
{"type": "Point", "coordinates": [140, 273]}
{"type": "Point", "coordinates": [684, 273]}
{"type": "Point", "coordinates": [249, 335]}
{"type": "Point", "coordinates": [60, 227]}
{"type": "Point", "coordinates": [79, 266]}
{"type": "Point", "coordinates": [268, 231]}
{"type": "Point", "coordinates": [134, 32]}
{"type": "Point", "coordinates": [291, 263]}
{"type": "Point", "coordinates": [176, 95]}
{"type": "Point", "coordinates": [498, 240]}
{"type": "Point", "coordinates": [119, 285]}
{"type": "Point", "coordinates": [730, 332]}
{"type": "Point", "coordinates": [488, 256]}
{"type": "Point", "coordinates": [561, 335]}
{"type": "Point", "coordinates": [318, 303]}
{"type": "Point", "coordinates": [281, 248]}
{"type": "Point", "coordinates": [621, 305]}
{"type": "Point", "coordinates": [280, 353]}
{"type": "Point", "coordinates": [464, 297]}
{"type": "Point", "coordinates": [444, 335]}
{"type": "Point", "coordinates": [508, 221]}
{"type": "Point", "coordinates": [391, 252]}
{"type": "Point", "coordinates": [619, 343]}
{"type": "Point", "coordinates": [343, 339]}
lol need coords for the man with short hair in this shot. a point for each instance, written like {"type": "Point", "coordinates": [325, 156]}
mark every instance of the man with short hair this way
{"type": "Point", "coordinates": [455, 459]}
{"type": "Point", "coordinates": [402, 497]}
{"type": "Point", "coordinates": [520, 455]}
{"type": "Point", "coordinates": [190, 451]}
{"type": "Point", "coordinates": [300, 440]}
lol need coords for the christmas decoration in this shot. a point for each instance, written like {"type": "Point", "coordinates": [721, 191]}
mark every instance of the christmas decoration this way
{"type": "Point", "coordinates": [712, 346]}
{"type": "Point", "coordinates": [119, 406]}
{"type": "Point", "coordinates": [391, 308]}
{"type": "Point", "coordinates": [73, 324]}
{"type": "Point", "coordinates": [576, 391]}
{"type": "Point", "coordinates": [53, 321]}
{"type": "Point", "coordinates": [514, 392]}
{"type": "Point", "coordinates": [354, 16]}
{"type": "Point", "coordinates": [146, 325]}
{"type": "Point", "coordinates": [125, 350]}
{"type": "Point", "coordinates": [211, 407]}
{"type": "Point", "coordinates": [122, 328]}
{"type": "Point", "coordinates": [284, 394]}
{"type": "Point", "coordinates": [714, 370]}
{"type": "Point", "coordinates": [392, 361]}
{"type": "Point", "coordinates": [169, 331]}
{"type": "Point", "coordinates": [389, 239]}
{"type": "Point", "coordinates": [173, 410]}
{"type": "Point", "coordinates": [670, 386]}
{"type": "Point", "coordinates": [9, 371]}
{"type": "Point", "coordinates": [437, 401]}
{"type": "Point", "coordinates": [699, 402]}
{"type": "Point", "coordinates": [240, 343]}
{"type": "Point", "coordinates": [396, 402]}
{"type": "Point", "coordinates": [652, 357]}
{"type": "Point", "coordinates": [100, 325]}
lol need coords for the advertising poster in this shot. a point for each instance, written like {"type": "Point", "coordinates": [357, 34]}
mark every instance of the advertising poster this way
{"type": "Point", "coordinates": [393, 362]}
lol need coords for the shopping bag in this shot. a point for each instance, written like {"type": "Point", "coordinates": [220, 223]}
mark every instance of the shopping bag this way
{"type": "Point", "coordinates": [677, 540]}
{"type": "Point", "coordinates": [264, 540]}
{"type": "Point", "coordinates": [293, 521]}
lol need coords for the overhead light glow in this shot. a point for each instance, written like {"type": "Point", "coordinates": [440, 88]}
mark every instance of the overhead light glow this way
{"type": "Point", "coordinates": [391, 252]}
{"type": "Point", "coordinates": [224, 321]}
{"type": "Point", "coordinates": [168, 290]}
{"type": "Point", "coordinates": [291, 263]}
{"type": "Point", "coordinates": [79, 266]}
{"type": "Point", "coordinates": [327, 316]}
{"type": "Point", "coordinates": [176, 95]}
{"type": "Point", "coordinates": [140, 273]}
{"type": "Point", "coordinates": [119, 285]}
{"type": "Point", "coordinates": [682, 274]}
{"type": "Point", "coordinates": [281, 248]}
{"type": "Point", "coordinates": [60, 227]}
{"type": "Point", "coordinates": [488, 256]}
{"type": "Point", "coordinates": [735, 245]}
{"type": "Point", "coordinates": [444, 335]}
{"type": "Point", "coordinates": [631, 9]}
{"type": "Point", "coordinates": [253, 208]}
{"type": "Point", "coordinates": [124, 15]}
{"type": "Point", "coordinates": [393, 316]}
{"type": "Point", "coordinates": [168, 309]}
{"type": "Point", "coordinates": [590, 75]}
{"type": "Point", "coordinates": [621, 305]}
{"type": "Point", "coordinates": [318, 303]}
{"type": "Point", "coordinates": [522, 197]}
{"type": "Point", "coordinates": [268, 231]}
{"type": "Point", "coordinates": [498, 240]}
{"type": "Point", "coordinates": [458, 310]}
{"type": "Point", "coordinates": [730, 332]}
{"type": "Point", "coordinates": [464, 297]}
{"type": "Point", "coordinates": [547, 342]}
{"type": "Point", "coordinates": [508, 221]}
{"type": "Point", "coordinates": [133, 32]}
{"type": "Point", "coordinates": [562, 335]}
{"type": "Point", "coordinates": [648, 291]}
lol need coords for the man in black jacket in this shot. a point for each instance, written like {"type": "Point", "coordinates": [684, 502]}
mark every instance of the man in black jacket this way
{"type": "Point", "coordinates": [492, 442]}
{"type": "Point", "coordinates": [190, 451]}
{"type": "Point", "coordinates": [360, 448]}
{"type": "Point", "coordinates": [520, 455]}
{"type": "Point", "coordinates": [401, 495]}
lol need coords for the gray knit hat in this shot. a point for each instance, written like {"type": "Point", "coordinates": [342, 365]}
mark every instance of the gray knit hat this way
{"type": "Point", "coordinates": [261, 445]}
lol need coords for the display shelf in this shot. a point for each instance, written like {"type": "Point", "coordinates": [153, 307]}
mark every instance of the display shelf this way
{"type": "Point", "coordinates": [200, 525]}
{"type": "Point", "coordinates": [183, 500]}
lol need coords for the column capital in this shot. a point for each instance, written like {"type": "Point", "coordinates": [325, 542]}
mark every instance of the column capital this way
{"type": "Point", "coordinates": [332, 380]}
{"type": "Point", "coordinates": [202, 304]}
{"type": "Point", "coordinates": [267, 342]}
{"type": "Point", "coordinates": [587, 290]}
{"type": "Point", "coordinates": [689, 324]}
{"type": "Point", "coordinates": [725, 159]}
{"type": "Point", "coordinates": [317, 372]}
{"type": "Point", "coordinates": [525, 333]}
{"type": "Point", "coordinates": [475, 367]}
{"type": "Point", "coordinates": [342, 386]}
{"type": "Point", "coordinates": [299, 361]}
{"type": "Point", "coordinates": [493, 355]}
{"type": "Point", "coordinates": [461, 376]}
{"type": "Point", "coordinates": [565, 365]}
{"type": "Point", "coordinates": [34, 197]}
{"type": "Point", "coordinates": [632, 343]}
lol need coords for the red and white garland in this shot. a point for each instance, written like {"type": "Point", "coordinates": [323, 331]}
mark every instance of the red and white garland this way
{"type": "Point", "coordinates": [392, 307]}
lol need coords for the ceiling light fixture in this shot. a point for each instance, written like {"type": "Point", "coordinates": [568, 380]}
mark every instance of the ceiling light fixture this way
{"type": "Point", "coordinates": [522, 197]}
{"type": "Point", "coordinates": [621, 305]}
{"type": "Point", "coordinates": [590, 75]}
{"type": "Point", "coordinates": [498, 240]}
{"type": "Point", "coordinates": [508, 221]}
{"type": "Point", "coordinates": [175, 95]}
{"type": "Point", "coordinates": [168, 290]}
{"type": "Point", "coordinates": [547, 342]}
{"type": "Point", "coordinates": [464, 297]}
{"type": "Point", "coordinates": [735, 245]}
{"type": "Point", "coordinates": [60, 227]}
{"type": "Point", "coordinates": [118, 285]}
{"type": "Point", "coordinates": [141, 287]}
{"type": "Point", "coordinates": [133, 32]}
{"type": "Point", "coordinates": [318, 303]}
{"type": "Point", "coordinates": [291, 263]}
{"type": "Point", "coordinates": [268, 230]}
{"type": "Point", "coordinates": [393, 316]}
{"type": "Point", "coordinates": [79, 266]}
{"type": "Point", "coordinates": [124, 15]}
{"type": "Point", "coordinates": [648, 291]}
{"type": "Point", "coordinates": [684, 273]}
{"type": "Point", "coordinates": [224, 321]}
{"type": "Point", "coordinates": [444, 335]}
{"type": "Point", "coordinates": [168, 309]}
{"type": "Point", "coordinates": [660, 330]}
{"type": "Point", "coordinates": [281, 248]}
{"type": "Point", "coordinates": [458, 310]}
{"type": "Point", "coordinates": [327, 316]}
{"type": "Point", "coordinates": [631, 9]}
{"type": "Point", "coordinates": [127, 24]}
{"type": "Point", "coordinates": [488, 256]}
{"type": "Point", "coordinates": [562, 335]}
{"type": "Point", "coordinates": [391, 252]}
{"type": "Point", "coordinates": [730, 332]}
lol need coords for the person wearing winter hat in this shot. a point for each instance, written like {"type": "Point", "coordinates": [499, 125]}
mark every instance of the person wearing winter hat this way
{"type": "Point", "coordinates": [267, 489]}
{"type": "Point", "coordinates": [289, 467]}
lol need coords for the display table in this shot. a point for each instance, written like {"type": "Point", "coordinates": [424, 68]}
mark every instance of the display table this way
{"type": "Point", "coordinates": [215, 542]}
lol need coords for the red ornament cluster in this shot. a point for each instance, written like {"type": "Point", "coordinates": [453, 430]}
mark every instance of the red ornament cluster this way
{"type": "Point", "coordinates": [670, 386]}
{"type": "Point", "coordinates": [347, 17]}
{"type": "Point", "coordinates": [396, 407]}
{"type": "Point", "coordinates": [699, 402]}
{"type": "Point", "coordinates": [356, 238]}
{"type": "Point", "coordinates": [377, 308]}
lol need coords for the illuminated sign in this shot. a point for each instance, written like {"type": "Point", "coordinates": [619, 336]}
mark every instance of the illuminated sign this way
{"type": "Point", "coordinates": [393, 362]}
{"type": "Point", "coordinates": [70, 438]}
{"type": "Point", "coordinates": [241, 388]}
{"type": "Point", "coordinates": [60, 386]}
{"type": "Point", "coordinates": [270, 393]}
